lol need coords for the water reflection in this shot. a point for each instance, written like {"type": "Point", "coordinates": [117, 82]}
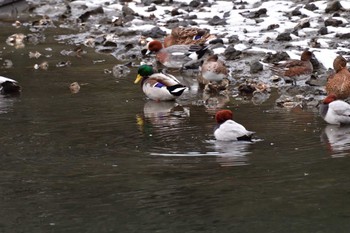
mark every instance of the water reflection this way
{"type": "Point", "coordinates": [214, 102]}
{"type": "Point", "coordinates": [160, 114]}
{"type": "Point", "coordinates": [230, 153]}
{"type": "Point", "coordinates": [337, 139]}
{"type": "Point", "coordinates": [6, 104]}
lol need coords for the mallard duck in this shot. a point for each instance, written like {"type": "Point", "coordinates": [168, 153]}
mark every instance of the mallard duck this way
{"type": "Point", "coordinates": [229, 130]}
{"type": "Point", "coordinates": [159, 86]}
{"type": "Point", "coordinates": [335, 111]}
{"type": "Point", "coordinates": [9, 86]}
{"type": "Point", "coordinates": [339, 83]}
{"type": "Point", "coordinates": [293, 68]}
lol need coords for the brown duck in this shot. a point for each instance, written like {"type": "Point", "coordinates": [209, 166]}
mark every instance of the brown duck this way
{"type": "Point", "coordinates": [187, 36]}
{"type": "Point", "coordinates": [294, 68]}
{"type": "Point", "coordinates": [338, 83]}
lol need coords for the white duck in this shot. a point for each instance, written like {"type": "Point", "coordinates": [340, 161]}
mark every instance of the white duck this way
{"type": "Point", "coordinates": [9, 86]}
{"type": "Point", "coordinates": [229, 130]}
{"type": "Point", "coordinates": [335, 111]}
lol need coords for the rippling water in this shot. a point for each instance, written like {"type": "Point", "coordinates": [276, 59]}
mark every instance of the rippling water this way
{"type": "Point", "coordinates": [108, 160]}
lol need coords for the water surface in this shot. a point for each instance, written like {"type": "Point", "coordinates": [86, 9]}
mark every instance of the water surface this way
{"type": "Point", "coordinates": [108, 160]}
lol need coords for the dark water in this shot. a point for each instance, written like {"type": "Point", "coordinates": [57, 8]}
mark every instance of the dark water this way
{"type": "Point", "coordinates": [107, 160]}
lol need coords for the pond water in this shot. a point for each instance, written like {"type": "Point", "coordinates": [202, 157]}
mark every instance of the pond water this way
{"type": "Point", "coordinates": [108, 160]}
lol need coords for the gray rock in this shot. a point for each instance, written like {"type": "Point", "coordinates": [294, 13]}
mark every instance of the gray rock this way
{"type": "Point", "coordinates": [333, 7]}
{"type": "Point", "coordinates": [256, 67]}
{"type": "Point", "coordinates": [296, 12]}
{"type": "Point", "coordinates": [155, 32]}
{"type": "Point", "coordinates": [272, 27]}
{"type": "Point", "coordinates": [284, 36]}
{"type": "Point", "coordinates": [311, 7]}
{"type": "Point", "coordinates": [127, 11]}
{"type": "Point", "coordinates": [277, 57]}
{"type": "Point", "coordinates": [149, 2]}
{"type": "Point", "coordinates": [151, 8]}
{"type": "Point", "coordinates": [216, 20]}
{"type": "Point", "coordinates": [323, 31]}
{"type": "Point", "coordinates": [231, 53]}
{"type": "Point", "coordinates": [343, 36]}
{"type": "Point", "coordinates": [333, 22]}
{"type": "Point", "coordinates": [195, 3]}
{"type": "Point", "coordinates": [120, 71]}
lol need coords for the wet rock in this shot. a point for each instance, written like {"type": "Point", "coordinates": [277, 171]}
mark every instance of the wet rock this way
{"type": "Point", "coordinates": [74, 87]}
{"type": "Point", "coordinates": [127, 11]}
{"type": "Point", "coordinates": [45, 21]}
{"type": "Point", "coordinates": [175, 12]}
{"type": "Point", "coordinates": [303, 23]}
{"type": "Point", "coordinates": [84, 17]}
{"type": "Point", "coordinates": [216, 87]}
{"type": "Point", "coordinates": [284, 36]}
{"type": "Point", "coordinates": [172, 21]}
{"type": "Point", "coordinates": [296, 12]}
{"type": "Point", "coordinates": [195, 3]}
{"type": "Point", "coordinates": [311, 7]}
{"type": "Point", "coordinates": [323, 31]}
{"type": "Point", "coordinates": [256, 67]}
{"type": "Point", "coordinates": [314, 43]}
{"type": "Point", "coordinates": [7, 64]}
{"type": "Point", "coordinates": [63, 64]}
{"type": "Point", "coordinates": [260, 97]}
{"type": "Point", "coordinates": [149, 2]}
{"type": "Point", "coordinates": [231, 53]}
{"type": "Point", "coordinates": [44, 66]}
{"type": "Point", "coordinates": [233, 39]}
{"type": "Point", "coordinates": [216, 20]}
{"type": "Point", "coordinates": [35, 38]}
{"type": "Point", "coordinates": [120, 71]}
{"type": "Point", "coordinates": [190, 17]}
{"type": "Point", "coordinates": [343, 36]}
{"type": "Point", "coordinates": [16, 40]}
{"type": "Point", "coordinates": [272, 27]}
{"type": "Point", "coordinates": [334, 6]}
{"type": "Point", "coordinates": [246, 89]}
{"type": "Point", "coordinates": [276, 57]}
{"type": "Point", "coordinates": [316, 80]}
{"type": "Point", "coordinates": [226, 14]}
{"type": "Point", "coordinates": [254, 14]}
{"type": "Point", "coordinates": [155, 32]}
{"type": "Point", "coordinates": [332, 22]}
{"type": "Point", "coordinates": [35, 54]}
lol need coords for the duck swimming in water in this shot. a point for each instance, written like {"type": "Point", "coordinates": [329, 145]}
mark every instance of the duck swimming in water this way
{"type": "Point", "coordinates": [9, 86]}
{"type": "Point", "coordinates": [335, 111]}
{"type": "Point", "coordinates": [228, 129]}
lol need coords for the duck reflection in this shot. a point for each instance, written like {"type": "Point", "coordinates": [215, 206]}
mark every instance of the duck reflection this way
{"type": "Point", "coordinates": [233, 153]}
{"type": "Point", "coordinates": [337, 139]}
{"type": "Point", "coordinates": [213, 102]}
{"type": "Point", "coordinates": [160, 114]}
{"type": "Point", "coordinates": [6, 104]}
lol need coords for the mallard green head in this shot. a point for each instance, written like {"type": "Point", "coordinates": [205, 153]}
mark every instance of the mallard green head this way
{"type": "Point", "coordinates": [144, 71]}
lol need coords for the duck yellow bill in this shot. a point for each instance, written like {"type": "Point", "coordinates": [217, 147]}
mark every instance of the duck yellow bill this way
{"type": "Point", "coordinates": [138, 78]}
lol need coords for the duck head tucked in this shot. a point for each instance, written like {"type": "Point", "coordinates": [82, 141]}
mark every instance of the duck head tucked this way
{"type": "Point", "coordinates": [339, 63]}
